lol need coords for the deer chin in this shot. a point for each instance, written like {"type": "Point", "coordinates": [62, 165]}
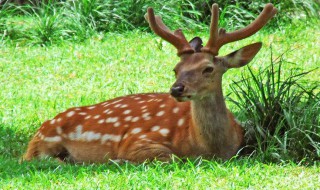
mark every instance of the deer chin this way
{"type": "Point", "coordinates": [184, 98]}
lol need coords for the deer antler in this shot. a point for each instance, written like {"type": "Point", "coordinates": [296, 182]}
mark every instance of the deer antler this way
{"type": "Point", "coordinates": [176, 38]}
{"type": "Point", "coordinates": [218, 39]}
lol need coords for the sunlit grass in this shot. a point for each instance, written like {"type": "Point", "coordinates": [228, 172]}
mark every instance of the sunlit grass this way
{"type": "Point", "coordinates": [198, 174]}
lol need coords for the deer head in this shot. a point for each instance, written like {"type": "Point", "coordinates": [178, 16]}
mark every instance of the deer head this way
{"type": "Point", "coordinates": [199, 72]}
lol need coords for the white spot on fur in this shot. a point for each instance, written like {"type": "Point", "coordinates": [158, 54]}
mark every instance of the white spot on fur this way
{"type": "Point", "coordinates": [106, 111]}
{"type": "Point", "coordinates": [116, 124]}
{"type": "Point", "coordinates": [135, 119]}
{"type": "Point", "coordinates": [91, 107]}
{"type": "Point", "coordinates": [127, 112]}
{"type": "Point", "coordinates": [59, 130]}
{"type": "Point", "coordinates": [88, 117]}
{"type": "Point", "coordinates": [146, 116]}
{"type": "Point", "coordinates": [58, 120]}
{"type": "Point", "coordinates": [137, 98]}
{"type": "Point", "coordinates": [142, 136]}
{"type": "Point", "coordinates": [90, 136]}
{"type": "Point", "coordinates": [52, 139]}
{"type": "Point", "coordinates": [107, 137]}
{"type": "Point", "coordinates": [164, 132]}
{"type": "Point", "coordinates": [160, 113]}
{"type": "Point", "coordinates": [175, 110]}
{"type": "Point", "coordinates": [112, 119]}
{"type": "Point", "coordinates": [128, 118]}
{"type": "Point", "coordinates": [125, 136]}
{"type": "Point", "coordinates": [141, 102]}
{"type": "Point", "coordinates": [82, 113]}
{"type": "Point", "coordinates": [105, 103]}
{"type": "Point", "coordinates": [124, 106]}
{"type": "Point", "coordinates": [155, 128]}
{"type": "Point", "coordinates": [96, 116]}
{"type": "Point", "coordinates": [136, 130]}
{"type": "Point", "coordinates": [118, 105]}
{"type": "Point", "coordinates": [41, 136]}
{"type": "Point", "coordinates": [52, 121]}
{"type": "Point", "coordinates": [101, 121]}
{"type": "Point", "coordinates": [76, 135]}
{"type": "Point", "coordinates": [85, 136]}
{"type": "Point", "coordinates": [180, 122]}
{"type": "Point", "coordinates": [78, 130]}
{"type": "Point", "coordinates": [117, 101]}
{"type": "Point", "coordinates": [162, 106]}
{"type": "Point", "coordinates": [71, 113]}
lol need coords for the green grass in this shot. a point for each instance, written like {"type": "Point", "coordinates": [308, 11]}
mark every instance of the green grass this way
{"type": "Point", "coordinates": [36, 83]}
{"type": "Point", "coordinates": [199, 174]}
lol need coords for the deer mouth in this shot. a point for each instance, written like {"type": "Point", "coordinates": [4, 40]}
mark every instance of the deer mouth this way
{"type": "Point", "coordinates": [183, 98]}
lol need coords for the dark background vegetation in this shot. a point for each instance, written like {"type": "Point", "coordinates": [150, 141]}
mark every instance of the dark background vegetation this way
{"type": "Point", "coordinates": [50, 21]}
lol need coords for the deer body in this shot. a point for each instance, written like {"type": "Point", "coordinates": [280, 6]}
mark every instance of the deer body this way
{"type": "Point", "coordinates": [191, 121]}
{"type": "Point", "coordinates": [136, 128]}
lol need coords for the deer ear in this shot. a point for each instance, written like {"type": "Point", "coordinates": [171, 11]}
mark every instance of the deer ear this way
{"type": "Point", "coordinates": [242, 56]}
{"type": "Point", "coordinates": [196, 44]}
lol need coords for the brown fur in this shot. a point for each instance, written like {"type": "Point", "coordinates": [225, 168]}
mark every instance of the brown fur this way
{"type": "Point", "coordinates": [181, 141]}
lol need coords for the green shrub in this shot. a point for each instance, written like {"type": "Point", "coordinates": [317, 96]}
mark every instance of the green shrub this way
{"type": "Point", "coordinates": [281, 111]}
{"type": "Point", "coordinates": [80, 19]}
{"type": "Point", "coordinates": [47, 24]}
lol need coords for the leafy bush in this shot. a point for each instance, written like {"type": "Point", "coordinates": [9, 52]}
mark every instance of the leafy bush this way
{"type": "Point", "coordinates": [7, 28]}
{"type": "Point", "coordinates": [80, 19]}
{"type": "Point", "coordinates": [281, 112]}
{"type": "Point", "coordinates": [47, 24]}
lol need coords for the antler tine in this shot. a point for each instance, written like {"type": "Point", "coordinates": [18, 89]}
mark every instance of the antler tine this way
{"type": "Point", "coordinates": [223, 37]}
{"type": "Point", "coordinates": [213, 38]}
{"type": "Point", "coordinates": [176, 38]}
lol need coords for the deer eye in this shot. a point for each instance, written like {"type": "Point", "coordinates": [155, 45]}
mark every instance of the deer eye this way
{"type": "Point", "coordinates": [207, 70]}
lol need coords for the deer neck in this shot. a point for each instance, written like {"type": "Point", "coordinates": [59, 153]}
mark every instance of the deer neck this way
{"type": "Point", "coordinates": [210, 117]}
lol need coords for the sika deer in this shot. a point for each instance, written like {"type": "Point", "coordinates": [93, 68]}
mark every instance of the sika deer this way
{"type": "Point", "coordinates": [191, 121]}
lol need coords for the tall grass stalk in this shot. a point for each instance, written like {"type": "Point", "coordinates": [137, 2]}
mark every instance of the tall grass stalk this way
{"type": "Point", "coordinates": [47, 24]}
{"type": "Point", "coordinates": [281, 112]}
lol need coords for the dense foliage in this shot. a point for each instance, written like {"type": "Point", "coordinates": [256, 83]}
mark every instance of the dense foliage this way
{"type": "Point", "coordinates": [49, 21]}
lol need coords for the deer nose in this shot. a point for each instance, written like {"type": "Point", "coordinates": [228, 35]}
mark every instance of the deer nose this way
{"type": "Point", "coordinates": [177, 90]}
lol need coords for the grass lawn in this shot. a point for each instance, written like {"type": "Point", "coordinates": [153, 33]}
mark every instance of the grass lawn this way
{"type": "Point", "coordinates": [36, 83]}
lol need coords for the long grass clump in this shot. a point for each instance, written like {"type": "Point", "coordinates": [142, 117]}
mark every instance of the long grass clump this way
{"type": "Point", "coordinates": [281, 112]}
